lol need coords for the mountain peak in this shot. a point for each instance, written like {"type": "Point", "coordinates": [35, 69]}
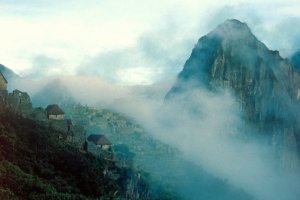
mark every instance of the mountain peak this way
{"type": "Point", "coordinates": [233, 29]}
{"type": "Point", "coordinates": [234, 23]}
{"type": "Point", "coordinates": [231, 57]}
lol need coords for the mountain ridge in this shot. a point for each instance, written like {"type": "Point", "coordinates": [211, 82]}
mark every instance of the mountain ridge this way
{"type": "Point", "coordinates": [231, 37]}
{"type": "Point", "coordinates": [264, 84]}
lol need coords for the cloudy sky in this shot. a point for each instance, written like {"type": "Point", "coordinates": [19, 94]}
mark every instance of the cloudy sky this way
{"type": "Point", "coordinates": [129, 42]}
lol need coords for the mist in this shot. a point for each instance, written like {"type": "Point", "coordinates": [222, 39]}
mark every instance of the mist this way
{"type": "Point", "coordinates": [209, 130]}
{"type": "Point", "coordinates": [87, 37]}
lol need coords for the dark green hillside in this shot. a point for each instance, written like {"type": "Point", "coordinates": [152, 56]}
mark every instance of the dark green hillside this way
{"type": "Point", "coordinates": [35, 164]}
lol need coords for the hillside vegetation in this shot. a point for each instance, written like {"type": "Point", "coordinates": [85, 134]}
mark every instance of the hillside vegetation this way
{"type": "Point", "coordinates": [36, 164]}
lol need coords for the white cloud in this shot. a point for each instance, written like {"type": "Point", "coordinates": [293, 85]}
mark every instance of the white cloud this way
{"type": "Point", "coordinates": [137, 75]}
{"type": "Point", "coordinates": [209, 130]}
{"type": "Point", "coordinates": [75, 31]}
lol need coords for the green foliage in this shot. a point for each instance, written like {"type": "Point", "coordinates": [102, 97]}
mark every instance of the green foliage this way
{"type": "Point", "coordinates": [21, 183]}
{"type": "Point", "coordinates": [36, 164]}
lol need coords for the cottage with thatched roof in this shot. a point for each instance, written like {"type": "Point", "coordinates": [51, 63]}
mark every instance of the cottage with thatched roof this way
{"type": "Point", "coordinates": [55, 112]}
{"type": "Point", "coordinates": [100, 140]}
{"type": "Point", "coordinates": [3, 82]}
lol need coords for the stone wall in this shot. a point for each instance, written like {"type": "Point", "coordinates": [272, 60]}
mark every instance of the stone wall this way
{"type": "Point", "coordinates": [3, 84]}
{"type": "Point", "coordinates": [56, 117]}
{"type": "Point", "coordinates": [3, 97]}
{"type": "Point", "coordinates": [105, 153]}
{"type": "Point", "coordinates": [20, 102]}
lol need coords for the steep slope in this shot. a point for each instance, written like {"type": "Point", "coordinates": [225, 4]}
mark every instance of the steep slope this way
{"type": "Point", "coordinates": [41, 158]}
{"type": "Point", "coordinates": [36, 164]}
{"type": "Point", "coordinates": [264, 83]}
{"type": "Point", "coordinates": [295, 60]}
{"type": "Point", "coordinates": [37, 161]}
{"type": "Point", "coordinates": [8, 73]}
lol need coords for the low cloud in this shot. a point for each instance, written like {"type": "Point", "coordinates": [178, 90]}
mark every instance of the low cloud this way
{"type": "Point", "coordinates": [206, 127]}
{"type": "Point", "coordinates": [143, 35]}
{"type": "Point", "coordinates": [209, 130]}
{"type": "Point", "coordinates": [158, 55]}
{"type": "Point", "coordinates": [43, 65]}
{"type": "Point", "coordinates": [162, 51]}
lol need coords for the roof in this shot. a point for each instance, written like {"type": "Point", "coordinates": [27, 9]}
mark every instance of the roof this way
{"type": "Point", "coordinates": [98, 139]}
{"type": "Point", "coordinates": [3, 77]}
{"type": "Point", "coordinates": [54, 110]}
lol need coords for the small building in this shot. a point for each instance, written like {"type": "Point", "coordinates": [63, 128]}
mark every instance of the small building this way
{"type": "Point", "coordinates": [3, 82]}
{"type": "Point", "coordinates": [100, 140]}
{"type": "Point", "coordinates": [55, 112]}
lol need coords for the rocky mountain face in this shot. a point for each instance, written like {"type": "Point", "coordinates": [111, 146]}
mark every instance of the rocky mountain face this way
{"type": "Point", "coordinates": [8, 73]}
{"type": "Point", "coordinates": [295, 60]}
{"type": "Point", "coordinates": [265, 85]}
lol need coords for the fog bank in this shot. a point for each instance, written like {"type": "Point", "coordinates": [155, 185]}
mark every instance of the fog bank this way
{"type": "Point", "coordinates": [209, 130]}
